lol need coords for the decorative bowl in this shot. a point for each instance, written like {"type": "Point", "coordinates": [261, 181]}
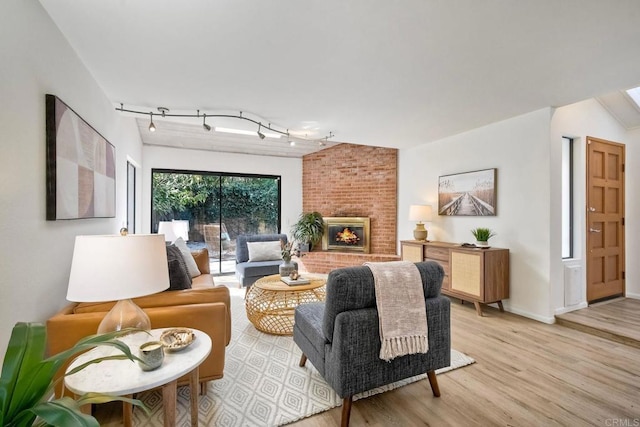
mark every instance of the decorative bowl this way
{"type": "Point", "coordinates": [177, 339]}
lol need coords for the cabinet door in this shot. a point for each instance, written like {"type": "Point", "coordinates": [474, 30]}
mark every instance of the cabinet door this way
{"type": "Point", "coordinates": [466, 269]}
{"type": "Point", "coordinates": [412, 253]}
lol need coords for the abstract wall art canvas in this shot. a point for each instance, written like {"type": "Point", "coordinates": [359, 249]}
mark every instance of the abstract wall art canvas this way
{"type": "Point", "coordinates": [468, 194]}
{"type": "Point", "coordinates": [81, 168]}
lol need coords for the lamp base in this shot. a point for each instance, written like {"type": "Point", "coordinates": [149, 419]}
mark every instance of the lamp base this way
{"type": "Point", "coordinates": [125, 314]}
{"type": "Point", "coordinates": [420, 233]}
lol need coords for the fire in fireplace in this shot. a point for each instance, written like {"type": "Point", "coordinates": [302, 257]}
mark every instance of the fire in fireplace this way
{"type": "Point", "coordinates": [346, 234]}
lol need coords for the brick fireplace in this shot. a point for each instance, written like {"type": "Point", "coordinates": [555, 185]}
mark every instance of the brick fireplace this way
{"type": "Point", "coordinates": [349, 180]}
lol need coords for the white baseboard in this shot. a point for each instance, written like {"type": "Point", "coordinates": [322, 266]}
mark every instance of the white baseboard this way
{"type": "Point", "coordinates": [563, 310]}
{"type": "Point", "coordinates": [524, 313]}
{"type": "Point", "coordinates": [632, 295]}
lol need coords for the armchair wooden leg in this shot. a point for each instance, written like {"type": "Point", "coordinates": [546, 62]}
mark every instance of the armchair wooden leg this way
{"type": "Point", "coordinates": [434, 383]}
{"type": "Point", "coordinates": [303, 360]}
{"type": "Point", "coordinates": [346, 411]}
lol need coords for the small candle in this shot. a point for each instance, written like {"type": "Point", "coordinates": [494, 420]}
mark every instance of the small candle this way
{"type": "Point", "coordinates": [151, 347]}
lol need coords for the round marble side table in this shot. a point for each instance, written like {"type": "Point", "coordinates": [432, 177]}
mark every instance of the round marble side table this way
{"type": "Point", "coordinates": [124, 377]}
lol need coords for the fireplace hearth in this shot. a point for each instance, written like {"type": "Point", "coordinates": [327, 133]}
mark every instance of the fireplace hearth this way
{"type": "Point", "coordinates": [346, 234]}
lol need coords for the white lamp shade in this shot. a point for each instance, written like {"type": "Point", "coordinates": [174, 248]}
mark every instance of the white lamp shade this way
{"type": "Point", "coordinates": [166, 228]}
{"type": "Point", "coordinates": [108, 268]}
{"type": "Point", "coordinates": [174, 229]}
{"type": "Point", "coordinates": [420, 213]}
{"type": "Point", "coordinates": [181, 228]}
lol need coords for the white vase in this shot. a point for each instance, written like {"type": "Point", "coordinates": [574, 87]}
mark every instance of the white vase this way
{"type": "Point", "coordinates": [286, 268]}
{"type": "Point", "coordinates": [482, 244]}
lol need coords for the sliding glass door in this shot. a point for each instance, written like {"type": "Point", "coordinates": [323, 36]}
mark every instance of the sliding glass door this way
{"type": "Point", "coordinates": [211, 209]}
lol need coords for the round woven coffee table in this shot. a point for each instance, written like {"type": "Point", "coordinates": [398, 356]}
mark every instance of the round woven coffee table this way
{"type": "Point", "coordinates": [270, 302]}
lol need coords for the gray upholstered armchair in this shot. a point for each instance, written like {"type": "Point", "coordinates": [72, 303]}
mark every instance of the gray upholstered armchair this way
{"type": "Point", "coordinates": [340, 337]}
{"type": "Point", "coordinates": [248, 271]}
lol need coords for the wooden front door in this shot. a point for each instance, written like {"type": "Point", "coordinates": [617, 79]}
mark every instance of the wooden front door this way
{"type": "Point", "coordinates": [605, 219]}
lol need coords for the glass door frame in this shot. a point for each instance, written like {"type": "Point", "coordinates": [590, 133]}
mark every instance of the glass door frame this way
{"type": "Point", "coordinates": [220, 175]}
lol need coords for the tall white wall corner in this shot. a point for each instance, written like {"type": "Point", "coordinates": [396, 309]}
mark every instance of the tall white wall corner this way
{"type": "Point", "coordinates": [573, 284]}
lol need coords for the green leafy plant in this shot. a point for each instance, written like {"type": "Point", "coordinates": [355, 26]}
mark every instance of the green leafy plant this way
{"type": "Point", "coordinates": [482, 234]}
{"type": "Point", "coordinates": [308, 229]}
{"type": "Point", "coordinates": [27, 379]}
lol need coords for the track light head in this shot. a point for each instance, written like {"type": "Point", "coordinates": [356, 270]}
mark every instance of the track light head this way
{"type": "Point", "coordinates": [204, 123]}
{"type": "Point", "coordinates": [260, 134]}
{"type": "Point", "coordinates": [152, 127]}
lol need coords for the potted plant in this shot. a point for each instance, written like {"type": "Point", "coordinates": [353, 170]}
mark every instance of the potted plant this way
{"type": "Point", "coordinates": [308, 230]}
{"type": "Point", "coordinates": [482, 235]}
{"type": "Point", "coordinates": [26, 383]}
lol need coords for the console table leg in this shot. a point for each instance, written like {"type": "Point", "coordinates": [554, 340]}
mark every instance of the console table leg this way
{"type": "Point", "coordinates": [478, 308]}
{"type": "Point", "coordinates": [500, 306]}
{"type": "Point", "coordinates": [169, 396]}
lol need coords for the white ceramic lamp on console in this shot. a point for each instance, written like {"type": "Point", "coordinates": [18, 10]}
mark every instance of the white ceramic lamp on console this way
{"type": "Point", "coordinates": [420, 213]}
{"type": "Point", "coordinates": [118, 268]}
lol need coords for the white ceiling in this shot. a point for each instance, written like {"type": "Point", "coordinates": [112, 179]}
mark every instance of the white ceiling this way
{"type": "Point", "coordinates": [376, 72]}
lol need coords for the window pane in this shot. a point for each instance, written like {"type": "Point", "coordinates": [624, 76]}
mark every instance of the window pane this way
{"type": "Point", "coordinates": [131, 198]}
{"type": "Point", "coordinates": [567, 198]}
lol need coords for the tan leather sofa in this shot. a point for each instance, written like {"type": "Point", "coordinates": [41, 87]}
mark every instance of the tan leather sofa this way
{"type": "Point", "coordinates": [205, 307]}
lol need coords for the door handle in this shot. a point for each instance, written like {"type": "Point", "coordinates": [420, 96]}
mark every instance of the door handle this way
{"type": "Point", "coordinates": [593, 230]}
{"type": "Point", "coordinates": [592, 209]}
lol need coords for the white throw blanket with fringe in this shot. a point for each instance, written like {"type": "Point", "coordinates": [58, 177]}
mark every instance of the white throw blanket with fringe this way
{"type": "Point", "coordinates": [401, 308]}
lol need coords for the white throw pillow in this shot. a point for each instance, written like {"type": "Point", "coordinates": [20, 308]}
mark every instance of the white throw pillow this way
{"type": "Point", "coordinates": [264, 251]}
{"type": "Point", "coordinates": [188, 258]}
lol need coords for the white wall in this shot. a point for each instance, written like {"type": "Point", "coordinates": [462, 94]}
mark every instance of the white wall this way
{"type": "Point", "coordinates": [519, 149]}
{"type": "Point", "coordinates": [633, 213]}
{"type": "Point", "coordinates": [290, 169]}
{"type": "Point", "coordinates": [526, 152]}
{"type": "Point", "coordinates": [35, 257]}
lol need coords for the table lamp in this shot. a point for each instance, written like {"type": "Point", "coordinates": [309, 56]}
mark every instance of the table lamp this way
{"type": "Point", "coordinates": [181, 228]}
{"type": "Point", "coordinates": [420, 213]}
{"type": "Point", "coordinates": [174, 229]}
{"type": "Point", "coordinates": [167, 228]}
{"type": "Point", "coordinates": [118, 268]}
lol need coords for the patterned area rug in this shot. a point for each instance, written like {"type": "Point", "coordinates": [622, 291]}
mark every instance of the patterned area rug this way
{"type": "Point", "coordinates": [263, 384]}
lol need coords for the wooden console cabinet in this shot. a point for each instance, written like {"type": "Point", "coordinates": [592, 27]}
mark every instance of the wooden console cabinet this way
{"type": "Point", "coordinates": [477, 275]}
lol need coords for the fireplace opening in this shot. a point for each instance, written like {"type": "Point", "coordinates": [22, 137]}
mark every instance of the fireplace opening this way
{"type": "Point", "coordinates": [346, 234]}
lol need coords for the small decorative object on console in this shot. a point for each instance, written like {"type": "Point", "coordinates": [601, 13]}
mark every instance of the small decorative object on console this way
{"type": "Point", "coordinates": [177, 339]}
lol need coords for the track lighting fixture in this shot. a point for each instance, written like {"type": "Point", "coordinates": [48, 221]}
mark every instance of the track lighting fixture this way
{"type": "Point", "coordinates": [204, 122]}
{"type": "Point", "coordinates": [260, 134]}
{"type": "Point", "coordinates": [165, 113]}
{"type": "Point", "coordinates": [152, 127]}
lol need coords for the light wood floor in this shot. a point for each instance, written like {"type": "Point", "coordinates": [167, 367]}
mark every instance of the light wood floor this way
{"type": "Point", "coordinates": [617, 320]}
{"type": "Point", "coordinates": [526, 374]}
